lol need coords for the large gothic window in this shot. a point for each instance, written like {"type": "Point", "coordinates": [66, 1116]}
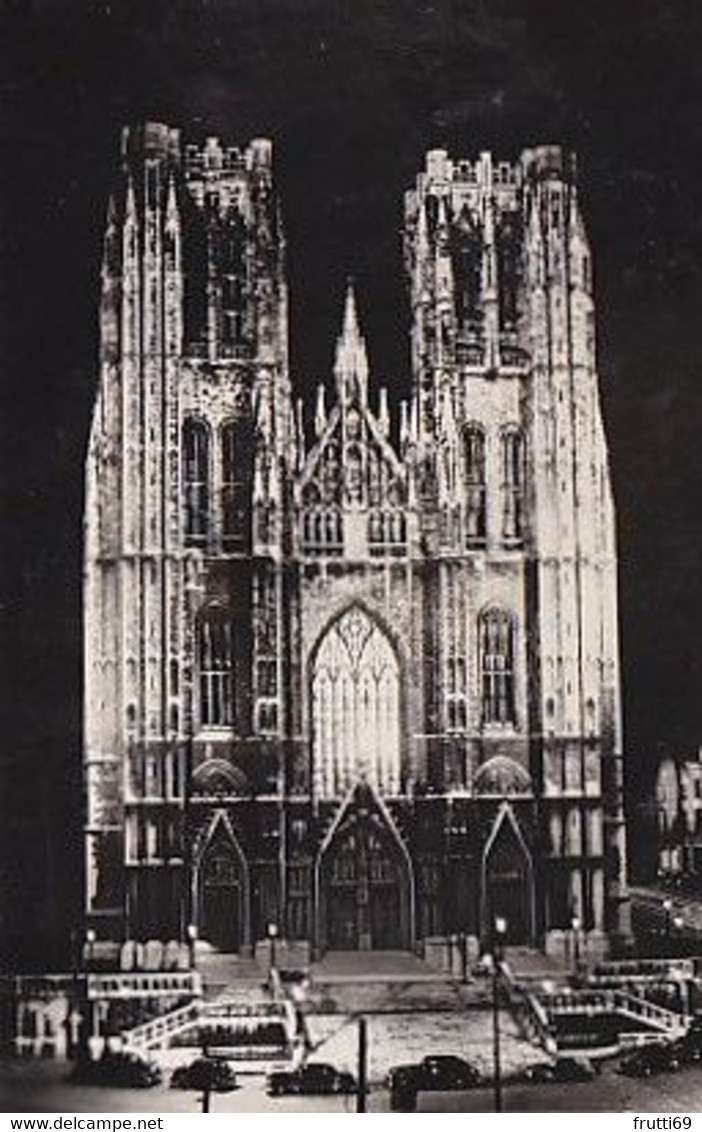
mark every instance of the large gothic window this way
{"type": "Point", "coordinates": [195, 482]}
{"type": "Point", "coordinates": [356, 708]}
{"type": "Point", "coordinates": [513, 484]}
{"type": "Point", "coordinates": [474, 448]}
{"type": "Point", "coordinates": [236, 476]}
{"type": "Point", "coordinates": [497, 649]}
{"type": "Point", "coordinates": [215, 670]}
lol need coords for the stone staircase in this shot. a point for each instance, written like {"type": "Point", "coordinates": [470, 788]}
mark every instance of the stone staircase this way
{"type": "Point", "coordinates": [239, 977]}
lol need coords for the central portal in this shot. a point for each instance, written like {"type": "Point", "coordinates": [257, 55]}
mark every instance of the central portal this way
{"type": "Point", "coordinates": [365, 886]}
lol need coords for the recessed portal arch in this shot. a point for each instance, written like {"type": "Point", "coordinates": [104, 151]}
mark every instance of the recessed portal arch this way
{"type": "Point", "coordinates": [364, 880]}
{"type": "Point", "coordinates": [508, 880]}
{"type": "Point", "coordinates": [221, 888]}
{"type": "Point", "coordinates": [355, 692]}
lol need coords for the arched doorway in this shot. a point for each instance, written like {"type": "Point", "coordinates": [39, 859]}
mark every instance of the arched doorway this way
{"type": "Point", "coordinates": [365, 888]}
{"type": "Point", "coordinates": [222, 892]}
{"type": "Point", "coordinates": [355, 708]}
{"type": "Point", "coordinates": [508, 883]}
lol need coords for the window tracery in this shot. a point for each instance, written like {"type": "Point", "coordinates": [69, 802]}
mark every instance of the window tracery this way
{"type": "Point", "coordinates": [513, 484]}
{"type": "Point", "coordinates": [236, 478]}
{"type": "Point", "coordinates": [356, 708]}
{"type": "Point", "coordinates": [497, 647]}
{"type": "Point", "coordinates": [474, 453]}
{"type": "Point", "coordinates": [215, 670]}
{"type": "Point", "coordinates": [196, 474]}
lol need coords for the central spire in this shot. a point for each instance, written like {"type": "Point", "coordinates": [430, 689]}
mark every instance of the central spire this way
{"type": "Point", "coordinates": [351, 361]}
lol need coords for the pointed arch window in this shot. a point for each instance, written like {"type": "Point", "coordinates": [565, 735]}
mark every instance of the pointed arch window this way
{"type": "Point", "coordinates": [196, 474]}
{"type": "Point", "coordinates": [356, 708]}
{"type": "Point", "coordinates": [474, 450]}
{"type": "Point", "coordinates": [215, 670]}
{"type": "Point", "coordinates": [236, 479]}
{"type": "Point", "coordinates": [497, 649]}
{"type": "Point", "coordinates": [512, 485]}
{"type": "Point", "coordinates": [467, 263]}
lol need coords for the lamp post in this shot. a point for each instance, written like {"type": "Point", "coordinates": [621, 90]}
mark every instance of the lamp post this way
{"type": "Point", "coordinates": [462, 941]}
{"type": "Point", "coordinates": [362, 1079]}
{"type": "Point", "coordinates": [191, 933]}
{"type": "Point", "coordinates": [90, 938]}
{"type": "Point", "coordinates": [575, 926]}
{"type": "Point", "coordinates": [272, 937]}
{"type": "Point", "coordinates": [498, 935]}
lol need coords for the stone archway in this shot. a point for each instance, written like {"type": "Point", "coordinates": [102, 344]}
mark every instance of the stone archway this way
{"type": "Point", "coordinates": [508, 880]}
{"type": "Point", "coordinates": [222, 890]}
{"type": "Point", "coordinates": [364, 881]}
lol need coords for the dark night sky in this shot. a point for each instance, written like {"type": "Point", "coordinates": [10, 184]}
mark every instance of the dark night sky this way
{"type": "Point", "coordinates": [353, 92]}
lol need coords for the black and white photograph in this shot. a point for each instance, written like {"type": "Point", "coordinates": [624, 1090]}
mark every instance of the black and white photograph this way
{"type": "Point", "coordinates": [351, 528]}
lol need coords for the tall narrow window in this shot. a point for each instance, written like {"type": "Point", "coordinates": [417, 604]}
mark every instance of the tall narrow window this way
{"type": "Point", "coordinates": [474, 446]}
{"type": "Point", "coordinates": [467, 263]}
{"type": "Point", "coordinates": [236, 479]}
{"type": "Point", "coordinates": [497, 667]}
{"type": "Point", "coordinates": [231, 247]}
{"type": "Point", "coordinates": [196, 462]}
{"type": "Point", "coordinates": [512, 485]}
{"type": "Point", "coordinates": [215, 671]}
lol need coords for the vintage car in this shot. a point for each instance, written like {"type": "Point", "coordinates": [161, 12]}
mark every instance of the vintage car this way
{"type": "Point", "coordinates": [122, 1068]}
{"type": "Point", "coordinates": [440, 1072]}
{"type": "Point", "coordinates": [204, 1074]}
{"type": "Point", "coordinates": [314, 1078]}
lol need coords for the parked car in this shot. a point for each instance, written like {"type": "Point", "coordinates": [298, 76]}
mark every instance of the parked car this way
{"type": "Point", "coordinates": [563, 1069]}
{"type": "Point", "coordinates": [314, 1078]}
{"type": "Point", "coordinates": [440, 1072]}
{"type": "Point", "coordinates": [645, 1062]}
{"type": "Point", "coordinates": [402, 1083]}
{"type": "Point", "coordinates": [122, 1068]}
{"type": "Point", "coordinates": [689, 1048]}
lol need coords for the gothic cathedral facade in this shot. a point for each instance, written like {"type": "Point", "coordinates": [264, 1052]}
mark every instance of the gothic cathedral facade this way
{"type": "Point", "coordinates": [351, 668]}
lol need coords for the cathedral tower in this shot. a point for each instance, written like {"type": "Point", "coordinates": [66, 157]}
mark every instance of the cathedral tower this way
{"type": "Point", "coordinates": [185, 513]}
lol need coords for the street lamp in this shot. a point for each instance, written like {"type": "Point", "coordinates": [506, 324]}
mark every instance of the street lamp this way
{"type": "Point", "coordinates": [272, 937]}
{"type": "Point", "coordinates": [90, 938]}
{"type": "Point", "coordinates": [462, 942]}
{"type": "Point", "coordinates": [575, 924]}
{"type": "Point", "coordinates": [498, 936]}
{"type": "Point", "coordinates": [191, 932]}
